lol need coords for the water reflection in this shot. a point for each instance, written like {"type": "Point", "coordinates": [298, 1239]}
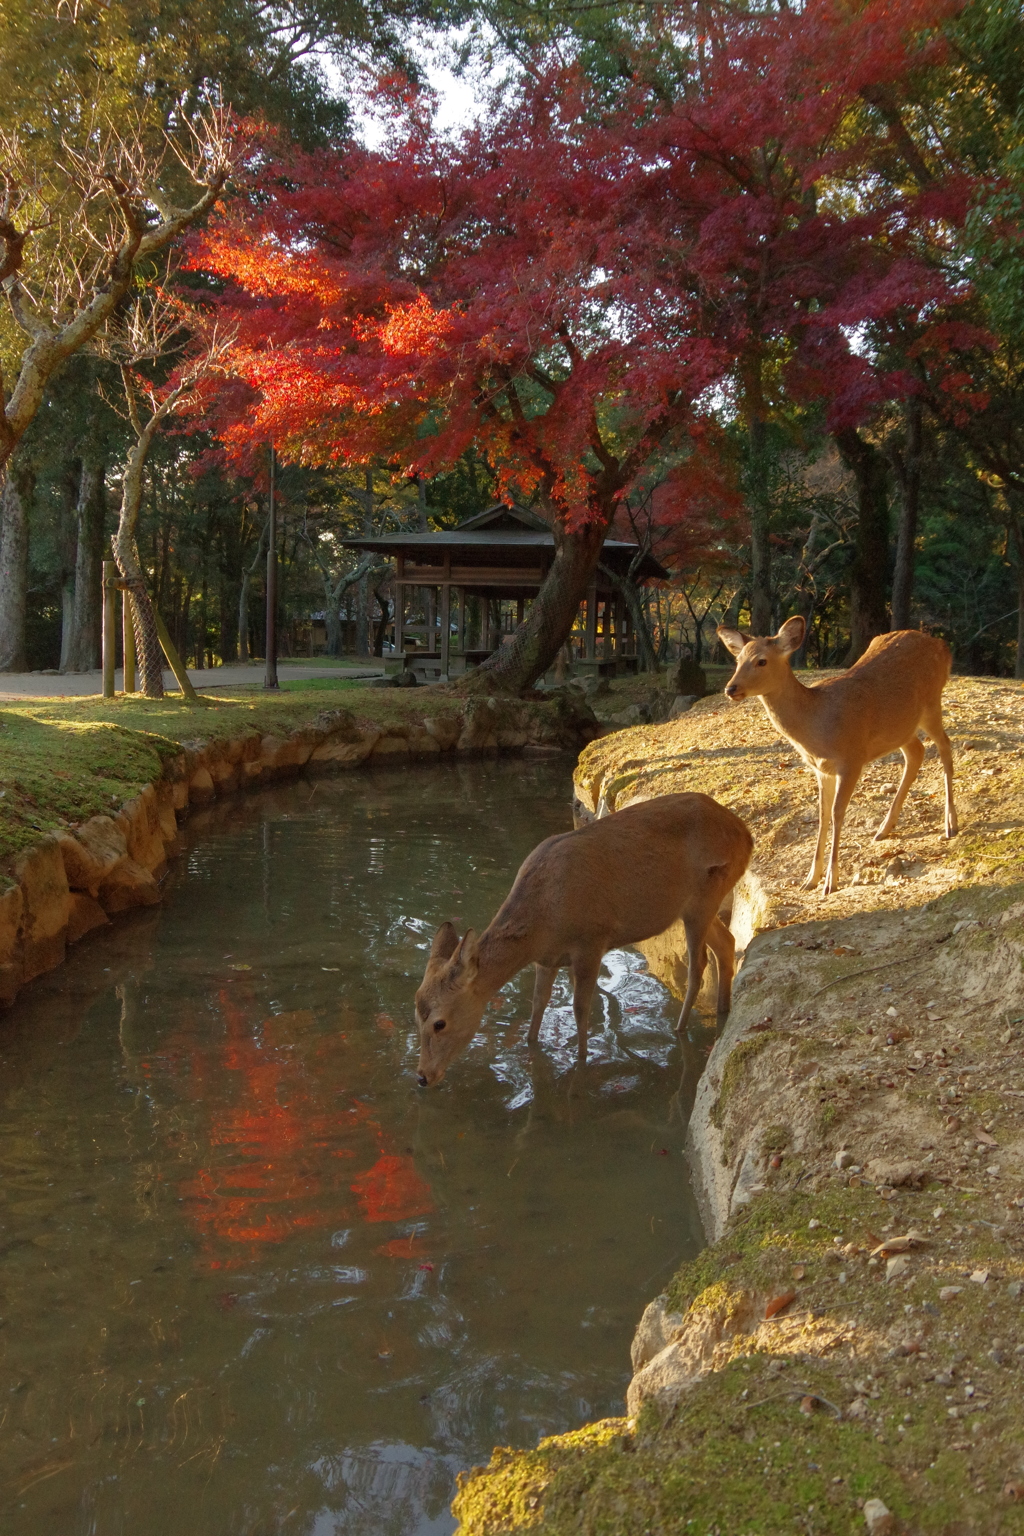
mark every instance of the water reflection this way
{"type": "Point", "coordinates": [251, 1278]}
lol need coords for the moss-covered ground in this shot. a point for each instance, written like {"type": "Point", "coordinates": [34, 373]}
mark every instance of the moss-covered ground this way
{"type": "Point", "coordinates": [64, 760]}
{"type": "Point", "coordinates": [861, 1388]}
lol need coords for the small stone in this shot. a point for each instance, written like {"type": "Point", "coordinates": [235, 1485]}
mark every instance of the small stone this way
{"type": "Point", "coordinates": [877, 1518]}
{"type": "Point", "coordinates": [979, 1276]}
{"type": "Point", "coordinates": [813, 1224]}
{"type": "Point", "coordinates": [949, 1291]}
{"type": "Point", "coordinates": [890, 1012]}
{"type": "Point", "coordinates": [1015, 1288]}
{"type": "Point", "coordinates": [843, 1158]}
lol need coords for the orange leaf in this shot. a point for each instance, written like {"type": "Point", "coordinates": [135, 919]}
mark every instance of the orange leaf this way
{"type": "Point", "coordinates": [779, 1304]}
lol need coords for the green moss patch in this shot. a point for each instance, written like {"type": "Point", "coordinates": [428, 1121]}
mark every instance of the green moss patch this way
{"type": "Point", "coordinates": [846, 1395]}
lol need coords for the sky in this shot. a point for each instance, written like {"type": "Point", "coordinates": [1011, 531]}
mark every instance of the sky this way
{"type": "Point", "coordinates": [459, 96]}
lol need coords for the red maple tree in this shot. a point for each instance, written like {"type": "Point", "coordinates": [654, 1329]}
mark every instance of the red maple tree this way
{"type": "Point", "coordinates": [573, 289]}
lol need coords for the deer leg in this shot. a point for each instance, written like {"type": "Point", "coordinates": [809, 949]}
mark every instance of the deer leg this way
{"type": "Point", "coordinates": [826, 797]}
{"type": "Point", "coordinates": [723, 947]}
{"type": "Point", "coordinates": [932, 723]}
{"type": "Point", "coordinates": [696, 960]}
{"type": "Point", "coordinates": [584, 981]}
{"type": "Point", "coordinates": [845, 786]}
{"type": "Point", "coordinates": [543, 982]}
{"type": "Point", "coordinates": [913, 757]}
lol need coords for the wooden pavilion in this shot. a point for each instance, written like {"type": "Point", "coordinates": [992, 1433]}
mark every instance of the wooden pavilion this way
{"type": "Point", "coordinates": [476, 579]}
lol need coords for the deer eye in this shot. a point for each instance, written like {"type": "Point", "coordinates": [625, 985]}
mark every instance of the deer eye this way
{"type": "Point", "coordinates": [439, 1024]}
{"type": "Point", "coordinates": [762, 661]}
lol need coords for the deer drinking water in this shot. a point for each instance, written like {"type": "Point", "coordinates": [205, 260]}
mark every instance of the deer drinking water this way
{"type": "Point", "coordinates": [616, 881]}
{"type": "Point", "coordinates": [838, 726]}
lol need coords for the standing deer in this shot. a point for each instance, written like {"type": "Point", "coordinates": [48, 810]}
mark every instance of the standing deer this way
{"type": "Point", "coordinates": [616, 881]}
{"type": "Point", "coordinates": [839, 725]}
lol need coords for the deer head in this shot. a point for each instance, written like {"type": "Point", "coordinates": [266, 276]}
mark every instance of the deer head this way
{"type": "Point", "coordinates": [449, 1004]}
{"type": "Point", "coordinates": [761, 662]}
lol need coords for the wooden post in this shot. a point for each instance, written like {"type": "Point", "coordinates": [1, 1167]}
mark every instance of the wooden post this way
{"type": "Point", "coordinates": [446, 627]}
{"type": "Point", "coordinates": [170, 650]}
{"type": "Point", "coordinates": [127, 641]}
{"type": "Point", "coordinates": [461, 629]}
{"type": "Point", "coordinates": [109, 626]}
{"type": "Point", "coordinates": [620, 619]}
{"type": "Point", "coordinates": [590, 648]}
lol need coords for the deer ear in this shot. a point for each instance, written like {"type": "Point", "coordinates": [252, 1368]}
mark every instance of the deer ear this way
{"type": "Point", "coordinates": [466, 959]}
{"type": "Point", "coordinates": [733, 639]}
{"type": "Point", "coordinates": [446, 941]}
{"type": "Point", "coordinates": [791, 635]}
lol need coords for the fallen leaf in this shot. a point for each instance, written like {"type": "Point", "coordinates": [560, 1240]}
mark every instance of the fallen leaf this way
{"type": "Point", "coordinates": [1013, 1491]}
{"type": "Point", "coordinates": [799, 1271]}
{"type": "Point", "coordinates": [807, 1405]}
{"type": "Point", "coordinates": [779, 1304]}
{"type": "Point", "coordinates": [903, 1244]}
{"type": "Point", "coordinates": [239, 967]}
{"type": "Point", "coordinates": [985, 1139]}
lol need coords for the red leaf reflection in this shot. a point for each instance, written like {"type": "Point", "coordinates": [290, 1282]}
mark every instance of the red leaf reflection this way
{"type": "Point", "coordinates": [392, 1190]}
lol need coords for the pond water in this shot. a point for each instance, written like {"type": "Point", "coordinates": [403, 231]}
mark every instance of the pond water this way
{"type": "Point", "coordinates": [253, 1279]}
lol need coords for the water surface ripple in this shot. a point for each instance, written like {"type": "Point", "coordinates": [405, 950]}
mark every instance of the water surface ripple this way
{"type": "Point", "coordinates": [252, 1279]}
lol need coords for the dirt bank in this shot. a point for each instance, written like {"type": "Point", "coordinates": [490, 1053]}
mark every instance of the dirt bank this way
{"type": "Point", "coordinates": [846, 1353]}
{"type": "Point", "coordinates": [91, 792]}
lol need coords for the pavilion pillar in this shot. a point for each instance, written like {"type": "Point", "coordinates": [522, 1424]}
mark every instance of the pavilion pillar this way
{"type": "Point", "coordinates": [461, 598]}
{"type": "Point", "coordinates": [446, 614]}
{"type": "Point", "coordinates": [430, 616]}
{"type": "Point", "coordinates": [399, 641]}
{"type": "Point", "coordinates": [620, 619]}
{"type": "Point", "coordinates": [590, 642]}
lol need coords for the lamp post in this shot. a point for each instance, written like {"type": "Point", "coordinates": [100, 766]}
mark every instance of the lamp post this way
{"type": "Point", "coordinates": [270, 681]}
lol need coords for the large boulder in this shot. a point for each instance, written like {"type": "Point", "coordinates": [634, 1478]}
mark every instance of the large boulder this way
{"type": "Point", "coordinates": [12, 903]}
{"type": "Point", "coordinates": [129, 885]}
{"type": "Point", "coordinates": [89, 855]}
{"type": "Point", "coordinates": [342, 752]}
{"type": "Point", "coordinates": [47, 903]}
{"type": "Point", "coordinates": [84, 915]}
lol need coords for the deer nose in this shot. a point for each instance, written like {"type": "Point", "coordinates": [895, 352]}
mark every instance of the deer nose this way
{"type": "Point", "coordinates": [421, 1078]}
{"type": "Point", "coordinates": [732, 691]}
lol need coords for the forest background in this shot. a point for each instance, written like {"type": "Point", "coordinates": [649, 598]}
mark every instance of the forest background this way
{"type": "Point", "coordinates": [743, 283]}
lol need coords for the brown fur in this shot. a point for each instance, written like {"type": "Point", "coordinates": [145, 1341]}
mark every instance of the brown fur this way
{"type": "Point", "coordinates": [616, 881]}
{"type": "Point", "coordinates": [838, 726]}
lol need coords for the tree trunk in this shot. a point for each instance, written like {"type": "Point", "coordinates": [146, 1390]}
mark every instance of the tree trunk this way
{"type": "Point", "coordinates": [759, 502]}
{"type": "Point", "coordinates": [641, 618]}
{"type": "Point", "coordinates": [16, 492]}
{"type": "Point", "coordinates": [363, 617]}
{"type": "Point", "coordinates": [67, 542]}
{"type": "Point", "coordinates": [83, 652]}
{"type": "Point", "coordinates": [382, 622]}
{"type": "Point", "coordinates": [907, 465]}
{"type": "Point", "coordinates": [243, 597]}
{"type": "Point", "coordinates": [1017, 535]}
{"type": "Point", "coordinates": [868, 616]}
{"type": "Point", "coordinates": [149, 657]}
{"type": "Point", "coordinates": [548, 625]}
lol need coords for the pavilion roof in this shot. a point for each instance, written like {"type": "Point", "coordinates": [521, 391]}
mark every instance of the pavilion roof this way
{"type": "Point", "coordinates": [500, 535]}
